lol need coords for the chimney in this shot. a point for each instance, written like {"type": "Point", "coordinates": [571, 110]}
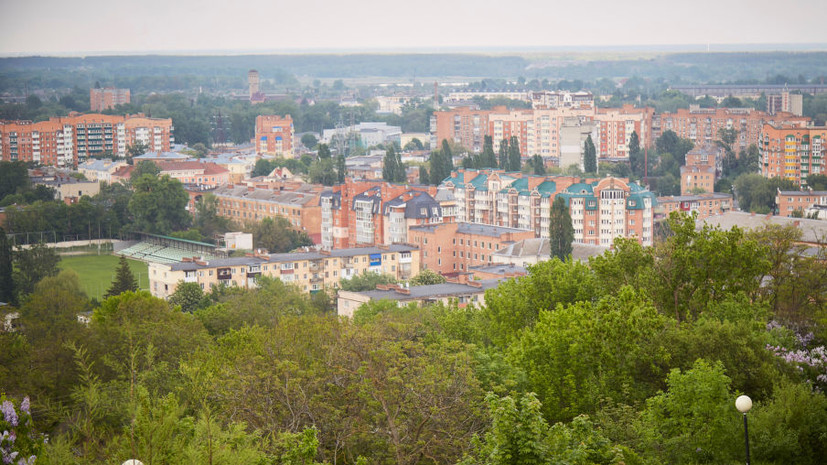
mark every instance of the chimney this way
{"type": "Point", "coordinates": [797, 223]}
{"type": "Point", "coordinates": [474, 283]}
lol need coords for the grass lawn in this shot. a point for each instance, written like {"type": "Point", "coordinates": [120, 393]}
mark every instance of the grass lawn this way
{"type": "Point", "coordinates": [98, 271]}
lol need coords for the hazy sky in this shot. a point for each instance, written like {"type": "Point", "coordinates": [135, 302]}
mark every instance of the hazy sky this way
{"type": "Point", "coordinates": [84, 26]}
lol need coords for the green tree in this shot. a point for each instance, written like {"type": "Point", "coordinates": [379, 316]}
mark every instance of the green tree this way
{"type": "Point", "coordinates": [537, 164]}
{"type": "Point", "coordinates": [589, 156]}
{"type": "Point", "coordinates": [309, 140]}
{"type": "Point", "coordinates": [579, 355]}
{"type": "Point", "coordinates": [427, 277]}
{"type": "Point", "coordinates": [207, 219]}
{"type": "Point", "coordinates": [32, 265]}
{"type": "Point", "coordinates": [423, 175]}
{"type": "Point", "coordinates": [560, 229]}
{"type": "Point", "coordinates": [817, 182]}
{"type": "Point", "coordinates": [13, 177]}
{"type": "Point", "coordinates": [694, 421]}
{"type": "Point", "coordinates": [136, 149]}
{"type": "Point", "coordinates": [414, 144]}
{"type": "Point", "coordinates": [7, 293]}
{"type": "Point", "coordinates": [503, 155]}
{"type": "Point", "coordinates": [366, 281]}
{"type": "Point", "coordinates": [324, 152]}
{"type": "Point", "coordinates": [341, 168]}
{"type": "Point", "coordinates": [124, 279]}
{"type": "Point", "coordinates": [158, 205]}
{"type": "Point", "coordinates": [144, 167]}
{"type": "Point", "coordinates": [635, 155]}
{"type": "Point", "coordinates": [189, 296]}
{"type": "Point", "coordinates": [514, 157]}
{"type": "Point", "coordinates": [323, 172]}
{"type": "Point", "coordinates": [277, 235]}
{"type": "Point", "coordinates": [488, 158]}
{"type": "Point", "coordinates": [393, 170]}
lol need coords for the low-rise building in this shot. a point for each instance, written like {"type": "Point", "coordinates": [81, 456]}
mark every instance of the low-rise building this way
{"type": "Point", "coordinates": [535, 250]}
{"type": "Point", "coordinates": [455, 247]}
{"type": "Point", "coordinates": [789, 202]}
{"type": "Point", "coordinates": [309, 271]}
{"type": "Point", "coordinates": [705, 205]}
{"type": "Point", "coordinates": [67, 188]}
{"type": "Point", "coordinates": [100, 170]}
{"type": "Point", "coordinates": [472, 292]}
{"type": "Point", "coordinates": [297, 202]}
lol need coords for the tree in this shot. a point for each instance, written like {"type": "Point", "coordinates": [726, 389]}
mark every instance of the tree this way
{"type": "Point", "coordinates": [514, 157]}
{"type": "Point", "coordinates": [144, 167]}
{"type": "Point", "coordinates": [158, 205]}
{"type": "Point", "coordinates": [7, 294]}
{"type": "Point", "coordinates": [341, 168]}
{"type": "Point", "coordinates": [560, 229]}
{"type": "Point", "coordinates": [427, 277]}
{"type": "Point", "coordinates": [488, 159]}
{"type": "Point", "coordinates": [189, 296]}
{"type": "Point", "coordinates": [817, 182]}
{"type": "Point", "coordinates": [277, 235]}
{"type": "Point", "coordinates": [366, 281]}
{"type": "Point", "coordinates": [124, 279]}
{"type": "Point", "coordinates": [323, 172]}
{"type": "Point", "coordinates": [414, 144]}
{"type": "Point", "coordinates": [136, 149]}
{"type": "Point", "coordinates": [309, 140]}
{"type": "Point", "coordinates": [635, 156]}
{"type": "Point", "coordinates": [441, 163]}
{"type": "Point", "coordinates": [207, 219]}
{"type": "Point", "coordinates": [503, 155]}
{"type": "Point", "coordinates": [33, 264]}
{"type": "Point", "coordinates": [589, 156]}
{"type": "Point", "coordinates": [693, 421]}
{"type": "Point", "coordinates": [537, 165]}
{"type": "Point", "coordinates": [423, 175]}
{"type": "Point", "coordinates": [13, 177]}
{"type": "Point", "coordinates": [393, 170]}
{"type": "Point", "coordinates": [324, 152]}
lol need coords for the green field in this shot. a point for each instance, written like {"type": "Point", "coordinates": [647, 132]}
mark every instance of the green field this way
{"type": "Point", "coordinates": [97, 272]}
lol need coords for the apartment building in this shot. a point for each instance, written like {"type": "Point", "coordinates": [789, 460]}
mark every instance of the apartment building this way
{"type": "Point", "coordinates": [705, 205]}
{"type": "Point", "coordinates": [295, 201]}
{"type": "Point", "coordinates": [450, 248]}
{"type": "Point", "coordinates": [274, 135]}
{"type": "Point", "coordinates": [702, 125]}
{"type": "Point", "coordinates": [66, 141]}
{"type": "Point", "coordinates": [789, 202]}
{"type": "Point", "coordinates": [108, 97]}
{"type": "Point", "coordinates": [785, 102]}
{"type": "Point", "coordinates": [792, 152]}
{"type": "Point", "coordinates": [309, 271]}
{"type": "Point", "coordinates": [561, 99]}
{"type": "Point", "coordinates": [539, 130]}
{"type": "Point", "coordinates": [601, 209]}
{"type": "Point", "coordinates": [697, 178]}
{"type": "Point", "coordinates": [367, 212]}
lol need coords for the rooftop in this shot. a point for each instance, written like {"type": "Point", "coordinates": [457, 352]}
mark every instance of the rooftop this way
{"type": "Point", "coordinates": [813, 231]}
{"type": "Point", "coordinates": [433, 291]}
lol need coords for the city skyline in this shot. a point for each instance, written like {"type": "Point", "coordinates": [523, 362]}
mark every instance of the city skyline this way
{"type": "Point", "coordinates": [92, 27]}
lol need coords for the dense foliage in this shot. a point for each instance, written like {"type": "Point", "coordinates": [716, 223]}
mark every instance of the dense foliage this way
{"type": "Point", "coordinates": [635, 357]}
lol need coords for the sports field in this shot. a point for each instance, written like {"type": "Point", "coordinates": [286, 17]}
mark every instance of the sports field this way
{"type": "Point", "coordinates": [97, 272]}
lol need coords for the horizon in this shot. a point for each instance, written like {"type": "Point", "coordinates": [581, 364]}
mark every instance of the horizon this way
{"type": "Point", "coordinates": [802, 47]}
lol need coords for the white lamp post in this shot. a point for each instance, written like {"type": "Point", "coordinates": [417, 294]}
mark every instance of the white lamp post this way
{"type": "Point", "coordinates": [744, 404]}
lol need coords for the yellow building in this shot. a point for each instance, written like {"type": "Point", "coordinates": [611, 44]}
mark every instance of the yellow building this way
{"type": "Point", "coordinates": [310, 271]}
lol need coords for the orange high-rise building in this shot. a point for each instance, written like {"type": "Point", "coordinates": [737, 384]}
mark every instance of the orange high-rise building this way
{"type": "Point", "coordinates": [792, 152]}
{"type": "Point", "coordinates": [63, 141]}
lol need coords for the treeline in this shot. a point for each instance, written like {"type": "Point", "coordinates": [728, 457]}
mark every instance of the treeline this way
{"type": "Point", "coordinates": [635, 358]}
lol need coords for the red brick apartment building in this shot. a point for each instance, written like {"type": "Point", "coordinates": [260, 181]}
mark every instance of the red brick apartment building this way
{"type": "Point", "coordinates": [108, 97]}
{"type": "Point", "coordinates": [297, 202]}
{"type": "Point", "coordinates": [790, 201]}
{"type": "Point", "coordinates": [792, 152]}
{"type": "Point", "coordinates": [702, 125]}
{"type": "Point", "coordinates": [64, 141]}
{"type": "Point", "coordinates": [454, 247]}
{"type": "Point", "coordinates": [705, 205]}
{"type": "Point", "coordinates": [274, 135]}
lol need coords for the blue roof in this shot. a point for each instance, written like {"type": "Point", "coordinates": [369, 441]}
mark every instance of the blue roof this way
{"type": "Point", "coordinates": [480, 182]}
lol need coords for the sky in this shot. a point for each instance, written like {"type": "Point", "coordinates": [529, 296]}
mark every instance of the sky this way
{"type": "Point", "coordinates": [84, 27]}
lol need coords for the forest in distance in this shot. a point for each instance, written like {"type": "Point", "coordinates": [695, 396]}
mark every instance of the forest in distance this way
{"type": "Point", "coordinates": [634, 357]}
{"type": "Point", "coordinates": [220, 73]}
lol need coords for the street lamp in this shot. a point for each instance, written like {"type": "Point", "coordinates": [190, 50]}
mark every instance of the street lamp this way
{"type": "Point", "coordinates": [743, 404]}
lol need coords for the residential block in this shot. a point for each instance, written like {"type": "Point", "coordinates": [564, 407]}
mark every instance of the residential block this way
{"type": "Point", "coordinates": [792, 152]}
{"type": "Point", "coordinates": [274, 135]}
